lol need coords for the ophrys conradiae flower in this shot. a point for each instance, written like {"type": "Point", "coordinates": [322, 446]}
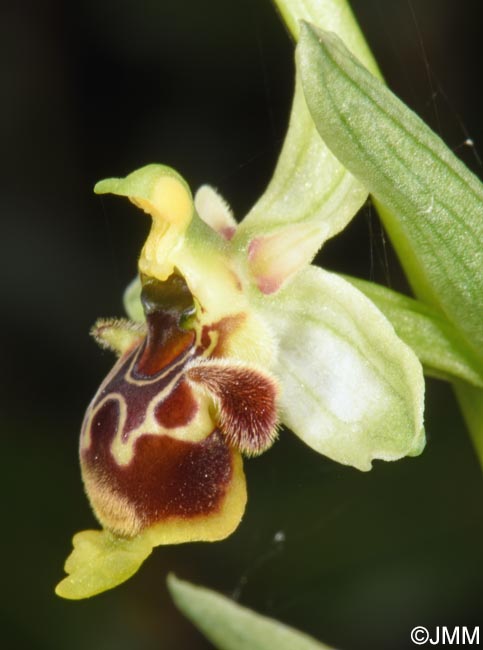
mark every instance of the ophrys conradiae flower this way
{"type": "Point", "coordinates": [232, 332]}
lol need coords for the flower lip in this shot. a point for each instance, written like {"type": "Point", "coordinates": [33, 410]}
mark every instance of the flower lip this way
{"type": "Point", "coordinates": [151, 451]}
{"type": "Point", "coordinates": [162, 438]}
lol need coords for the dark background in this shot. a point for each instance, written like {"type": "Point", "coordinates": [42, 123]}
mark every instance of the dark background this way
{"type": "Point", "coordinates": [97, 88]}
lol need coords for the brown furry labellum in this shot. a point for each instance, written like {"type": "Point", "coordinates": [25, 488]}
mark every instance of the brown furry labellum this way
{"type": "Point", "coordinates": [160, 439]}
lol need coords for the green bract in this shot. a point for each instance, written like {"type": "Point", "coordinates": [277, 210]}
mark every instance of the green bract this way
{"type": "Point", "coordinates": [433, 202]}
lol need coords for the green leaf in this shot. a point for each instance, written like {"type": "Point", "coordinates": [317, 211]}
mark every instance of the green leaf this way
{"type": "Point", "coordinates": [436, 342]}
{"type": "Point", "coordinates": [351, 389]}
{"type": "Point", "coordinates": [230, 626]}
{"type": "Point", "coordinates": [310, 187]}
{"type": "Point", "coordinates": [433, 204]}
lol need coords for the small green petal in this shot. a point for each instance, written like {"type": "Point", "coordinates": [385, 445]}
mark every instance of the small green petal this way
{"type": "Point", "coordinates": [351, 389]}
{"type": "Point", "coordinates": [230, 626]}
{"type": "Point", "coordinates": [132, 300]}
{"type": "Point", "coordinates": [101, 561]}
{"type": "Point", "coordinates": [215, 211]}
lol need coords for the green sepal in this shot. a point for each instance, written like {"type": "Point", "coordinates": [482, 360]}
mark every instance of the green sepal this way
{"type": "Point", "coordinates": [230, 626]}
{"type": "Point", "coordinates": [309, 187]}
{"type": "Point", "coordinates": [350, 388]}
{"type": "Point", "coordinates": [436, 342]}
{"type": "Point", "coordinates": [433, 203]}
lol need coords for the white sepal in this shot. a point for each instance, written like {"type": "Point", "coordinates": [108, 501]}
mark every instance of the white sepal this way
{"type": "Point", "coordinates": [351, 389]}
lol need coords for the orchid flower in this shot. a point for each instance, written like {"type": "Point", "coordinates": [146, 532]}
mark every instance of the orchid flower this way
{"type": "Point", "coordinates": [232, 333]}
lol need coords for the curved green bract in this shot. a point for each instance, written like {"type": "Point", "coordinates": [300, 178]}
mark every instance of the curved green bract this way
{"type": "Point", "coordinates": [433, 205]}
